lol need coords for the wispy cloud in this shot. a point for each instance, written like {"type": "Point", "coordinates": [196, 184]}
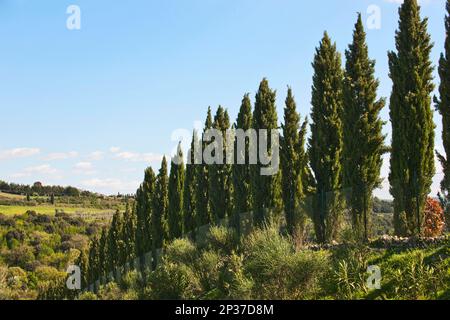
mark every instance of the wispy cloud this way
{"type": "Point", "coordinates": [41, 170]}
{"type": "Point", "coordinates": [85, 168]}
{"type": "Point", "coordinates": [138, 157]}
{"type": "Point", "coordinates": [61, 156]}
{"type": "Point", "coordinates": [111, 184]}
{"type": "Point", "coordinates": [18, 153]}
{"type": "Point", "coordinates": [96, 156]}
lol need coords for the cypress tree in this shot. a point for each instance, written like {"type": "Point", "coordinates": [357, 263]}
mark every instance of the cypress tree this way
{"type": "Point", "coordinates": [220, 173]}
{"type": "Point", "coordinates": [140, 236]}
{"type": "Point", "coordinates": [93, 259]}
{"type": "Point", "coordinates": [412, 156]}
{"type": "Point", "coordinates": [160, 211]}
{"type": "Point", "coordinates": [102, 247]}
{"type": "Point", "coordinates": [265, 189]}
{"type": "Point", "coordinates": [190, 189]}
{"type": "Point", "coordinates": [114, 242]}
{"type": "Point", "coordinates": [242, 172]}
{"type": "Point", "coordinates": [202, 198]}
{"type": "Point", "coordinates": [293, 160]}
{"type": "Point", "coordinates": [176, 184]}
{"type": "Point", "coordinates": [128, 235]}
{"type": "Point", "coordinates": [363, 138]}
{"type": "Point", "coordinates": [325, 143]}
{"type": "Point", "coordinates": [83, 263]}
{"type": "Point", "coordinates": [443, 105]}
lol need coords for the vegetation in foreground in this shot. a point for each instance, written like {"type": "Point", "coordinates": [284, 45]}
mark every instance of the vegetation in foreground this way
{"type": "Point", "coordinates": [267, 265]}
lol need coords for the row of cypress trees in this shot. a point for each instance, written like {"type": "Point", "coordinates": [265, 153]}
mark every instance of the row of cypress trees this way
{"type": "Point", "coordinates": [345, 150]}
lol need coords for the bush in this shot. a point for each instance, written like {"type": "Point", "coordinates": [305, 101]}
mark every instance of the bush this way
{"type": "Point", "coordinates": [408, 276]}
{"type": "Point", "coordinates": [180, 251]}
{"type": "Point", "coordinates": [172, 281]}
{"type": "Point", "coordinates": [207, 268]}
{"type": "Point", "coordinates": [221, 239]}
{"type": "Point", "coordinates": [434, 218]}
{"type": "Point", "coordinates": [21, 256]}
{"type": "Point", "coordinates": [233, 283]}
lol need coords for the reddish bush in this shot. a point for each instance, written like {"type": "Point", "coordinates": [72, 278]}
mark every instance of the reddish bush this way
{"type": "Point", "coordinates": [434, 218]}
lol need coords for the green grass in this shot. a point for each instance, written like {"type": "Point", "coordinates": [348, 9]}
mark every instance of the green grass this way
{"type": "Point", "coordinates": [47, 209]}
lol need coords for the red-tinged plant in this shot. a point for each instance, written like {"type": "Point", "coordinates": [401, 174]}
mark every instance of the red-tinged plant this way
{"type": "Point", "coordinates": [434, 218]}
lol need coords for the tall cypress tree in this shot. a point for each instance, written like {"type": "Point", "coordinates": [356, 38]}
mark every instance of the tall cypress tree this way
{"type": "Point", "coordinates": [93, 261]}
{"type": "Point", "coordinates": [176, 184]}
{"type": "Point", "coordinates": [190, 189]}
{"type": "Point", "coordinates": [220, 173]}
{"type": "Point", "coordinates": [293, 160]}
{"type": "Point", "coordinates": [412, 156]}
{"type": "Point", "coordinates": [128, 235]}
{"type": "Point", "coordinates": [202, 197]}
{"type": "Point", "coordinates": [102, 249]}
{"type": "Point", "coordinates": [114, 243]}
{"type": "Point", "coordinates": [83, 263]}
{"type": "Point", "coordinates": [443, 105]}
{"type": "Point", "coordinates": [363, 138]}
{"type": "Point", "coordinates": [144, 208]}
{"type": "Point", "coordinates": [325, 143]}
{"type": "Point", "coordinates": [160, 211]}
{"type": "Point", "coordinates": [242, 172]}
{"type": "Point", "coordinates": [265, 189]}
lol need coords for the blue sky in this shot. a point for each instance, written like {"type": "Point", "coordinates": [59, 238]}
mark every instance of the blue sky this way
{"type": "Point", "coordinates": [93, 107]}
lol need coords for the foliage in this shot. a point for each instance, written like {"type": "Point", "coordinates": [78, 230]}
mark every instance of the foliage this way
{"type": "Point", "coordinates": [434, 218]}
{"type": "Point", "coordinates": [325, 143]}
{"type": "Point", "coordinates": [412, 155]}
{"type": "Point", "coordinates": [363, 137]}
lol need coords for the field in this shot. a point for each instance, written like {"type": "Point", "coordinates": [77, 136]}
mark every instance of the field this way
{"type": "Point", "coordinates": [11, 196]}
{"type": "Point", "coordinates": [49, 210]}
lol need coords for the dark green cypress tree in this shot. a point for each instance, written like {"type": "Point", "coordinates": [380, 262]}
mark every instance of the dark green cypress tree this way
{"type": "Point", "coordinates": [220, 173]}
{"type": "Point", "coordinates": [114, 243]}
{"type": "Point", "coordinates": [176, 184]}
{"type": "Point", "coordinates": [160, 211]}
{"type": "Point", "coordinates": [363, 137]}
{"type": "Point", "coordinates": [144, 208]}
{"type": "Point", "coordinates": [265, 188]}
{"type": "Point", "coordinates": [202, 198]}
{"type": "Point", "coordinates": [83, 263]}
{"type": "Point", "coordinates": [242, 172]}
{"type": "Point", "coordinates": [293, 160]}
{"type": "Point", "coordinates": [93, 262]}
{"type": "Point", "coordinates": [325, 143]}
{"type": "Point", "coordinates": [443, 105]}
{"type": "Point", "coordinates": [190, 189]}
{"type": "Point", "coordinates": [412, 156]}
{"type": "Point", "coordinates": [128, 235]}
{"type": "Point", "coordinates": [102, 265]}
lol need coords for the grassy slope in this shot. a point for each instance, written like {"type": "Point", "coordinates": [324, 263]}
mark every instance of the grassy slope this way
{"type": "Point", "coordinates": [48, 209]}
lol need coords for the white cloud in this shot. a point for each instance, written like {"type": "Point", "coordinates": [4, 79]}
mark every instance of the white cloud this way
{"type": "Point", "coordinates": [114, 149]}
{"type": "Point", "coordinates": [18, 153]}
{"type": "Point", "coordinates": [84, 168]}
{"type": "Point", "coordinates": [96, 156]}
{"type": "Point", "coordinates": [111, 185]}
{"type": "Point", "coordinates": [41, 170]}
{"type": "Point", "coordinates": [138, 157]}
{"type": "Point", "coordinates": [61, 156]}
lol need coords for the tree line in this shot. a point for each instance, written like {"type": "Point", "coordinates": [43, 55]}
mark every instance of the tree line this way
{"type": "Point", "coordinates": [344, 151]}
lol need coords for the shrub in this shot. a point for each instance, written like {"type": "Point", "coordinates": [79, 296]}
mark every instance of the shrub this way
{"type": "Point", "coordinates": [233, 283]}
{"type": "Point", "coordinates": [434, 218]}
{"type": "Point", "coordinates": [181, 251]}
{"type": "Point", "coordinates": [172, 281]}
{"type": "Point", "coordinates": [221, 239]}
{"type": "Point", "coordinates": [207, 268]}
{"type": "Point", "coordinates": [21, 256]}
